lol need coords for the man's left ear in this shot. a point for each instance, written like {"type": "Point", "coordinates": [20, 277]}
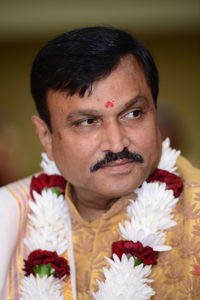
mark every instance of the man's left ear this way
{"type": "Point", "coordinates": [43, 134]}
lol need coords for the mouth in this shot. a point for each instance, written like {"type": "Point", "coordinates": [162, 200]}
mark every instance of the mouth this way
{"type": "Point", "coordinates": [117, 163]}
{"type": "Point", "coordinates": [119, 166]}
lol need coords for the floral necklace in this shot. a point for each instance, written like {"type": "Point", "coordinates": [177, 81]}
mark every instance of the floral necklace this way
{"type": "Point", "coordinates": [144, 234]}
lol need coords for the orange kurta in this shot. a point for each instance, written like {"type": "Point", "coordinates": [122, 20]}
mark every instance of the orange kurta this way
{"type": "Point", "coordinates": [173, 273]}
{"type": "Point", "coordinates": [92, 242]}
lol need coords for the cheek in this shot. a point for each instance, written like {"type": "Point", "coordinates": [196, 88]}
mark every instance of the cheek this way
{"type": "Point", "coordinates": [147, 141]}
{"type": "Point", "coordinates": [153, 146]}
{"type": "Point", "coordinates": [70, 151]}
{"type": "Point", "coordinates": [145, 134]}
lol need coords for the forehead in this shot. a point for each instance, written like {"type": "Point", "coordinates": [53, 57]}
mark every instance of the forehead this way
{"type": "Point", "coordinates": [127, 77]}
{"type": "Point", "coordinates": [126, 82]}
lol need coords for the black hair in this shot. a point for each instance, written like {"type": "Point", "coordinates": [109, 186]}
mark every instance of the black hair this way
{"type": "Point", "coordinates": [74, 60]}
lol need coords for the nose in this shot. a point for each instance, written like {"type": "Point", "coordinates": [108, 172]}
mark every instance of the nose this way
{"type": "Point", "coordinates": [114, 137]}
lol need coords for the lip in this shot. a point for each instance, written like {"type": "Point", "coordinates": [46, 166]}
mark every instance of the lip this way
{"type": "Point", "coordinates": [119, 167]}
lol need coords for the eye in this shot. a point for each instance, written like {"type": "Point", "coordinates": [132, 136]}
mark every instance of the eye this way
{"type": "Point", "coordinates": [86, 122]}
{"type": "Point", "coordinates": [134, 114]}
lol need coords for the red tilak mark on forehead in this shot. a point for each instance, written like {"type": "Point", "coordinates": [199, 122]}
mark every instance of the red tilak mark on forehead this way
{"type": "Point", "coordinates": [109, 104]}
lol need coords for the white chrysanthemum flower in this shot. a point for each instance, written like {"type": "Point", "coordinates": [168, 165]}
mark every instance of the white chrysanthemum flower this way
{"type": "Point", "coordinates": [47, 221]}
{"type": "Point", "coordinates": [49, 167]}
{"type": "Point", "coordinates": [48, 209]}
{"type": "Point", "coordinates": [132, 231]}
{"type": "Point", "coordinates": [46, 241]}
{"type": "Point", "coordinates": [168, 157]}
{"type": "Point", "coordinates": [152, 209]}
{"type": "Point", "coordinates": [151, 220]}
{"type": "Point", "coordinates": [45, 288]}
{"type": "Point", "coordinates": [123, 281]}
{"type": "Point", "coordinates": [150, 215]}
{"type": "Point", "coordinates": [156, 195]}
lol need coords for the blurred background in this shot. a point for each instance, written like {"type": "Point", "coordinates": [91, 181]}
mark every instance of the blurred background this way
{"type": "Point", "coordinates": [170, 29]}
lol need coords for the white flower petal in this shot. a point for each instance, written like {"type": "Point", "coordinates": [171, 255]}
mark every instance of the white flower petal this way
{"type": "Point", "coordinates": [123, 281]}
{"type": "Point", "coordinates": [168, 157]}
{"type": "Point", "coordinates": [48, 166]}
{"type": "Point", "coordinates": [45, 288]}
{"type": "Point", "coordinates": [47, 222]}
{"type": "Point", "coordinates": [150, 214]}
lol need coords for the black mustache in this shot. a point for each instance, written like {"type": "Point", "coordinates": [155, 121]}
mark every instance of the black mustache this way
{"type": "Point", "coordinates": [110, 157]}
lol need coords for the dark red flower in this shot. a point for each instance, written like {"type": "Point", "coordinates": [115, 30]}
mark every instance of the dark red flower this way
{"type": "Point", "coordinates": [47, 181]}
{"type": "Point", "coordinates": [43, 257]}
{"type": "Point", "coordinates": [146, 254]}
{"type": "Point", "coordinates": [172, 181]}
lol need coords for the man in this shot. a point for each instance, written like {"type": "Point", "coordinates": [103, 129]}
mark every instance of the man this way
{"type": "Point", "coordinates": [95, 90]}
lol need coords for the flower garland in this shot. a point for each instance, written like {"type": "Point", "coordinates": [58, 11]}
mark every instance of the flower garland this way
{"type": "Point", "coordinates": [49, 226]}
{"type": "Point", "coordinates": [150, 215]}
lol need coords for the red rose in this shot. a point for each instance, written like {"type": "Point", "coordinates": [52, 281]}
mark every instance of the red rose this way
{"type": "Point", "coordinates": [172, 181]}
{"type": "Point", "coordinates": [47, 181]}
{"type": "Point", "coordinates": [43, 257]}
{"type": "Point", "coordinates": [146, 254]}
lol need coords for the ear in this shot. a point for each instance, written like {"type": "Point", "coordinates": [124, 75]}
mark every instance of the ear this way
{"type": "Point", "coordinates": [43, 134]}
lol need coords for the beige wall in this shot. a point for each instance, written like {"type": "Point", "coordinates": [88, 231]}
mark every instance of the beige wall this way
{"type": "Point", "coordinates": [179, 65]}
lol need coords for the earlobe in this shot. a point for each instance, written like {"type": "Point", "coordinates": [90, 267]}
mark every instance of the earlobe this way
{"type": "Point", "coordinates": [43, 134]}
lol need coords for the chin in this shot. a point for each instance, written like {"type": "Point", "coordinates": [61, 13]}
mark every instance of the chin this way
{"type": "Point", "coordinates": [124, 185]}
{"type": "Point", "coordinates": [119, 191]}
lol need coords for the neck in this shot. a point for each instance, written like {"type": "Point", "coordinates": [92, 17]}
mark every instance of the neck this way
{"type": "Point", "coordinates": [91, 207]}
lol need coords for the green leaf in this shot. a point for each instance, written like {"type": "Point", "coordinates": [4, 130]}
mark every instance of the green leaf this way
{"type": "Point", "coordinates": [43, 270]}
{"type": "Point", "coordinates": [56, 190]}
{"type": "Point", "coordinates": [137, 262]}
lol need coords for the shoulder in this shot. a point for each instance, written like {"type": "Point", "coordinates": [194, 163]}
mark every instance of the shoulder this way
{"type": "Point", "coordinates": [13, 211]}
{"type": "Point", "coordinates": [14, 204]}
{"type": "Point", "coordinates": [14, 199]}
{"type": "Point", "coordinates": [191, 193]}
{"type": "Point", "coordinates": [187, 171]}
{"type": "Point", "coordinates": [13, 195]}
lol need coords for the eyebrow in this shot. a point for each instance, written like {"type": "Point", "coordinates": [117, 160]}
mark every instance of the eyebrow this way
{"type": "Point", "coordinates": [134, 101]}
{"type": "Point", "coordinates": [82, 113]}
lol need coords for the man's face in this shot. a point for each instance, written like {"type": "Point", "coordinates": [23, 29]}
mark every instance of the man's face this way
{"type": "Point", "coordinates": [118, 114]}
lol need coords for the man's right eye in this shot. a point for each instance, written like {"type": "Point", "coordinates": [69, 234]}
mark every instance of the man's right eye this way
{"type": "Point", "coordinates": [85, 122]}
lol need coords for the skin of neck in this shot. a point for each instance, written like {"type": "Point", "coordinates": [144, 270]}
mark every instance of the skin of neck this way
{"type": "Point", "coordinates": [91, 207]}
